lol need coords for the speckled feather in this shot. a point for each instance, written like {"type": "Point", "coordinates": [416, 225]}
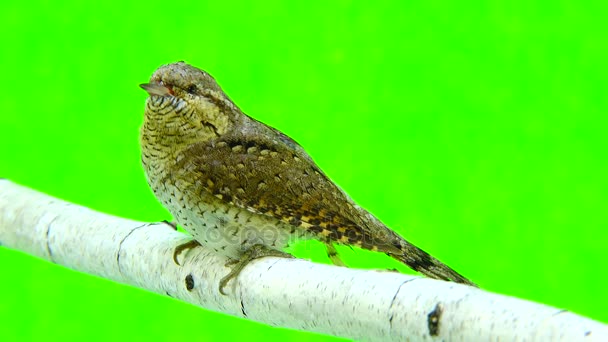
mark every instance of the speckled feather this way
{"type": "Point", "coordinates": [267, 178]}
{"type": "Point", "coordinates": [209, 162]}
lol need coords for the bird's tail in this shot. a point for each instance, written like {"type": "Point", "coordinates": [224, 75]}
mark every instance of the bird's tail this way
{"type": "Point", "coordinates": [423, 262]}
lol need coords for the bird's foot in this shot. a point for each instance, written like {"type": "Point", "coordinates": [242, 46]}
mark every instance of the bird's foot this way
{"type": "Point", "coordinates": [332, 253]}
{"type": "Point", "coordinates": [184, 246]}
{"type": "Point", "coordinates": [254, 252]}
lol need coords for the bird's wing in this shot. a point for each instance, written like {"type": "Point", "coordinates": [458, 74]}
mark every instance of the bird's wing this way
{"type": "Point", "coordinates": [273, 178]}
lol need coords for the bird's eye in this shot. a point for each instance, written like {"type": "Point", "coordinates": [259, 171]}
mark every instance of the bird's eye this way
{"type": "Point", "coordinates": [191, 89]}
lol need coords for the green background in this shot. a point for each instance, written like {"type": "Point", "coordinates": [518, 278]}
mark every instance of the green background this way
{"type": "Point", "coordinates": [477, 130]}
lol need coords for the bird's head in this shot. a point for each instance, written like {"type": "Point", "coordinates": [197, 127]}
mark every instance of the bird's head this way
{"type": "Point", "coordinates": [187, 102]}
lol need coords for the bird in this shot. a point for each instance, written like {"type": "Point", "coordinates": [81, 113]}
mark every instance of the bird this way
{"type": "Point", "coordinates": [245, 189]}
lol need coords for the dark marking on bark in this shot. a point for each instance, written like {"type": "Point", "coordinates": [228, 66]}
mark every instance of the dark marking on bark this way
{"type": "Point", "coordinates": [243, 308]}
{"type": "Point", "coordinates": [168, 294]}
{"type": "Point", "coordinates": [588, 333]}
{"type": "Point", "coordinates": [170, 224]}
{"type": "Point", "coordinates": [48, 242]}
{"type": "Point", "coordinates": [272, 265]}
{"type": "Point", "coordinates": [434, 319]}
{"type": "Point", "coordinates": [120, 245]}
{"type": "Point", "coordinates": [189, 282]}
{"type": "Point", "coordinates": [560, 312]}
{"type": "Point", "coordinates": [390, 308]}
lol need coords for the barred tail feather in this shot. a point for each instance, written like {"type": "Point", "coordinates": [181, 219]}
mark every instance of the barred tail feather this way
{"type": "Point", "coordinates": [423, 262]}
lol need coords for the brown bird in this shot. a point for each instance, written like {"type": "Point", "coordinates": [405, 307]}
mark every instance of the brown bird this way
{"type": "Point", "coordinates": [245, 189]}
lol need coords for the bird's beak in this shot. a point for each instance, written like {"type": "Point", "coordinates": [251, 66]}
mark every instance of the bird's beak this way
{"type": "Point", "coordinates": [157, 89]}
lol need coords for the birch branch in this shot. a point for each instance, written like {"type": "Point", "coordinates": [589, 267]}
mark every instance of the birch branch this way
{"type": "Point", "coordinates": [291, 293]}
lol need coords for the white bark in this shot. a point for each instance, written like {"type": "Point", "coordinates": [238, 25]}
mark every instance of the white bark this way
{"type": "Point", "coordinates": [365, 305]}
